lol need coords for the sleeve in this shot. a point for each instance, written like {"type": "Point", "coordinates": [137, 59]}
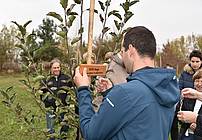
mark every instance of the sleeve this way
{"type": "Point", "coordinates": [109, 119]}
{"type": "Point", "coordinates": [69, 83]}
{"type": "Point", "coordinates": [198, 130]}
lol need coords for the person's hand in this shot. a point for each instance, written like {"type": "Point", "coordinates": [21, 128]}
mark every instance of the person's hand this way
{"type": "Point", "coordinates": [187, 116]}
{"type": "Point", "coordinates": [189, 93]}
{"type": "Point", "coordinates": [102, 84]}
{"type": "Point", "coordinates": [193, 126]}
{"type": "Point", "coordinates": [81, 80]}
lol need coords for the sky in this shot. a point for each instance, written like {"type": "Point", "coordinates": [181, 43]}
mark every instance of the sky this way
{"type": "Point", "coordinates": [167, 19]}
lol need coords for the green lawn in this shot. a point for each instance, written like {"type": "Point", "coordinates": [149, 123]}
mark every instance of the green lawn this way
{"type": "Point", "coordinates": [12, 128]}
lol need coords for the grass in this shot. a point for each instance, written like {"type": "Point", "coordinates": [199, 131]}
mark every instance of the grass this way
{"type": "Point", "coordinates": [12, 128]}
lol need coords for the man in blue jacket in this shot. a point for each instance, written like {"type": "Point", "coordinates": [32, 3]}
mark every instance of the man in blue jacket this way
{"type": "Point", "coordinates": [142, 108]}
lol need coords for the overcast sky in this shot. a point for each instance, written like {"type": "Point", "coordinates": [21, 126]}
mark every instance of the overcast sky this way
{"type": "Point", "coordinates": [168, 19]}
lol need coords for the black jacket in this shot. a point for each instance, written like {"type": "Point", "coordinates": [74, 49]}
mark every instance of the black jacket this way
{"type": "Point", "coordinates": [198, 130]}
{"type": "Point", "coordinates": [58, 87]}
{"type": "Point", "coordinates": [188, 105]}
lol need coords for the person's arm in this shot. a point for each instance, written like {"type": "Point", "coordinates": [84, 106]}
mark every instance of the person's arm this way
{"type": "Point", "coordinates": [103, 85]}
{"type": "Point", "coordinates": [111, 115]}
{"type": "Point", "coordinates": [191, 93]}
{"type": "Point", "coordinates": [110, 118]}
{"type": "Point", "coordinates": [187, 116]}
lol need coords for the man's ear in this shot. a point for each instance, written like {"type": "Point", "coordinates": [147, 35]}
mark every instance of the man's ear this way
{"type": "Point", "coordinates": [131, 49]}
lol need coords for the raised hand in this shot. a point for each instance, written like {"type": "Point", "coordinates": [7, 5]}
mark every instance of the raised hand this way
{"type": "Point", "coordinates": [102, 84]}
{"type": "Point", "coordinates": [81, 80]}
{"type": "Point", "coordinates": [187, 116]}
{"type": "Point", "coordinates": [189, 93]}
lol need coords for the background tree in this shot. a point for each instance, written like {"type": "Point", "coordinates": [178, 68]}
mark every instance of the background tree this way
{"type": "Point", "coordinates": [176, 52]}
{"type": "Point", "coordinates": [198, 42]}
{"type": "Point", "coordinates": [8, 52]}
{"type": "Point", "coordinates": [46, 32]}
{"type": "Point", "coordinates": [48, 41]}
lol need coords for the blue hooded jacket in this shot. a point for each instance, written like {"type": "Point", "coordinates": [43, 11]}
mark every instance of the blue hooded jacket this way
{"type": "Point", "coordinates": [141, 109]}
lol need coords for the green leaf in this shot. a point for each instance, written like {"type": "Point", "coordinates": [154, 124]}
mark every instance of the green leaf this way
{"type": "Point", "coordinates": [73, 13]}
{"type": "Point", "coordinates": [107, 3]}
{"type": "Point", "coordinates": [81, 30]}
{"type": "Point", "coordinates": [125, 6]}
{"type": "Point", "coordinates": [6, 103]}
{"type": "Point", "coordinates": [25, 83]}
{"type": "Point", "coordinates": [29, 37]}
{"type": "Point", "coordinates": [62, 34]}
{"type": "Point", "coordinates": [75, 40]}
{"type": "Point", "coordinates": [113, 34]}
{"type": "Point", "coordinates": [101, 18]}
{"type": "Point", "coordinates": [77, 1]}
{"type": "Point", "coordinates": [70, 9]}
{"type": "Point", "coordinates": [105, 30]}
{"type": "Point", "coordinates": [13, 98]}
{"type": "Point", "coordinates": [127, 16]}
{"type": "Point", "coordinates": [71, 20]}
{"type": "Point", "coordinates": [102, 6]}
{"type": "Point", "coordinates": [28, 22]}
{"type": "Point", "coordinates": [65, 88]}
{"type": "Point", "coordinates": [115, 13]}
{"type": "Point", "coordinates": [20, 46]}
{"type": "Point", "coordinates": [118, 25]}
{"type": "Point", "coordinates": [55, 15]}
{"type": "Point", "coordinates": [4, 94]}
{"type": "Point", "coordinates": [9, 89]}
{"type": "Point", "coordinates": [112, 12]}
{"type": "Point", "coordinates": [38, 78]}
{"type": "Point", "coordinates": [64, 3]}
{"type": "Point", "coordinates": [21, 28]}
{"type": "Point", "coordinates": [124, 31]}
{"type": "Point", "coordinates": [133, 2]}
{"type": "Point", "coordinates": [45, 95]}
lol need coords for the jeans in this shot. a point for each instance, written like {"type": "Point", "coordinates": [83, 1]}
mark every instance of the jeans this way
{"type": "Point", "coordinates": [50, 120]}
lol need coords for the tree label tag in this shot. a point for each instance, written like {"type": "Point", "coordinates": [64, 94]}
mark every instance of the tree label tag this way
{"type": "Point", "coordinates": [94, 69]}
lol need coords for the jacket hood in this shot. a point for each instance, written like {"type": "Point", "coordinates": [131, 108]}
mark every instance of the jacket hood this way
{"type": "Point", "coordinates": [189, 69]}
{"type": "Point", "coordinates": [163, 83]}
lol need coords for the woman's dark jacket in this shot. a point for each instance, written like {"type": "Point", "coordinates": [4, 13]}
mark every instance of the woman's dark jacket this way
{"type": "Point", "coordinates": [57, 86]}
{"type": "Point", "coordinates": [199, 123]}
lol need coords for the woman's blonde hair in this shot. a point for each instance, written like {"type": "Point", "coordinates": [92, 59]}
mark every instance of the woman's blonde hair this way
{"type": "Point", "coordinates": [54, 61]}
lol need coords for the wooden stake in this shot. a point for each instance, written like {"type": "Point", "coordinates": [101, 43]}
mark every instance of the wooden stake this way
{"type": "Point", "coordinates": [90, 30]}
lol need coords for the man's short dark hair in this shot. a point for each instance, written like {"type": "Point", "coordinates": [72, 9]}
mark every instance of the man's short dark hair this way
{"type": "Point", "coordinates": [142, 39]}
{"type": "Point", "coordinates": [195, 53]}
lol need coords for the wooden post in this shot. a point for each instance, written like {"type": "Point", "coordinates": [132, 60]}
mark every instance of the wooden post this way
{"type": "Point", "coordinates": [90, 30]}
